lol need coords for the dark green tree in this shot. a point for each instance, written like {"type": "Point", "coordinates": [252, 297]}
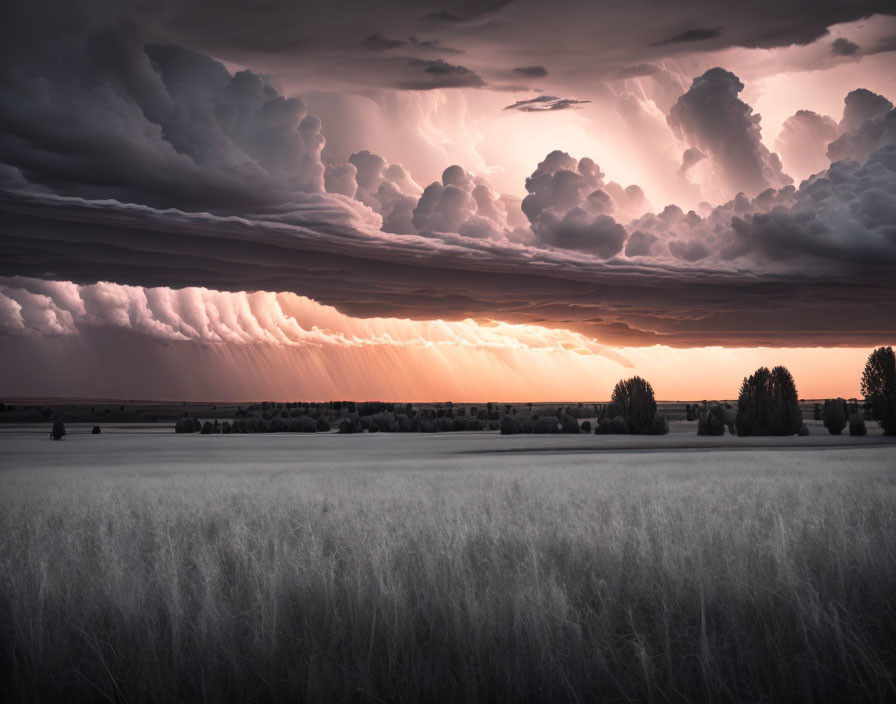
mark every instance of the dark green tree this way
{"type": "Point", "coordinates": [879, 388]}
{"type": "Point", "coordinates": [768, 404]}
{"type": "Point", "coordinates": [834, 415]}
{"type": "Point", "coordinates": [633, 400]}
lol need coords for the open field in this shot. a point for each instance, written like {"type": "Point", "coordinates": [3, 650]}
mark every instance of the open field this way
{"type": "Point", "coordinates": [142, 565]}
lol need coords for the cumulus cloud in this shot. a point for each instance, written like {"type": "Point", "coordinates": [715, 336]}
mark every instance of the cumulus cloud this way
{"type": "Point", "coordinates": [463, 204]}
{"type": "Point", "coordinates": [568, 208]}
{"type": "Point", "coordinates": [163, 126]}
{"type": "Point", "coordinates": [803, 140]}
{"type": "Point", "coordinates": [712, 118]}
{"type": "Point", "coordinates": [869, 122]}
{"type": "Point", "coordinates": [388, 189]}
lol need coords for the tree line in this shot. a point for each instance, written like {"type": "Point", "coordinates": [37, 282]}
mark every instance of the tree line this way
{"type": "Point", "coordinates": [768, 404]}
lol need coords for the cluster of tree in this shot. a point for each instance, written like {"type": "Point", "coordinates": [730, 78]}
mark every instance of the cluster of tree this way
{"type": "Point", "coordinates": [415, 421]}
{"type": "Point", "coordinates": [879, 388]}
{"type": "Point", "coordinates": [542, 424]}
{"type": "Point", "coordinates": [768, 404]}
{"type": "Point", "coordinates": [632, 411]}
{"type": "Point", "coordinates": [712, 418]}
{"type": "Point", "coordinates": [255, 424]}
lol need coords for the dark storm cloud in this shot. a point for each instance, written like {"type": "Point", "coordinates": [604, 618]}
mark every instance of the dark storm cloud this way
{"type": "Point", "coordinates": [843, 303]}
{"type": "Point", "coordinates": [467, 11]}
{"type": "Point", "coordinates": [440, 74]}
{"type": "Point", "coordinates": [712, 118]}
{"type": "Point", "coordinates": [326, 43]}
{"type": "Point", "coordinates": [531, 71]}
{"type": "Point", "coordinates": [545, 103]}
{"type": "Point", "coordinates": [158, 166]}
{"type": "Point", "coordinates": [377, 42]}
{"type": "Point", "coordinates": [692, 35]}
{"type": "Point", "coordinates": [844, 47]}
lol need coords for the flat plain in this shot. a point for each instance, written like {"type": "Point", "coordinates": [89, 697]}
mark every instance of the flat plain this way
{"type": "Point", "coordinates": [141, 565]}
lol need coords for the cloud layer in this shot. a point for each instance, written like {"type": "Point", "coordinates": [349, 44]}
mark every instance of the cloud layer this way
{"type": "Point", "coordinates": [126, 158]}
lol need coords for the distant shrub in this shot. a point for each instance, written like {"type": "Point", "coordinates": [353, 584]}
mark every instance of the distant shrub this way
{"type": "Point", "coordinates": [225, 428]}
{"type": "Point", "coordinates": [197, 426]}
{"type": "Point", "coordinates": [426, 425]}
{"type": "Point", "coordinates": [546, 424]}
{"type": "Point", "coordinates": [879, 388]}
{"type": "Point", "coordinates": [475, 423]}
{"type": "Point", "coordinates": [660, 425]}
{"type": "Point", "coordinates": [818, 412]}
{"type": "Point", "coordinates": [207, 428]}
{"type": "Point", "coordinates": [711, 420]}
{"type": "Point", "coordinates": [835, 415]}
{"type": "Point", "coordinates": [768, 404]}
{"type": "Point", "coordinates": [349, 425]}
{"type": "Point", "coordinates": [568, 424]}
{"type": "Point", "coordinates": [96, 430]}
{"type": "Point", "coordinates": [323, 425]}
{"type": "Point", "coordinates": [634, 402]}
{"type": "Point", "coordinates": [857, 426]}
{"type": "Point", "coordinates": [618, 425]}
{"type": "Point", "coordinates": [58, 430]}
{"type": "Point", "coordinates": [586, 426]}
{"type": "Point", "coordinates": [803, 431]}
{"type": "Point", "coordinates": [300, 424]}
{"type": "Point", "coordinates": [690, 412]}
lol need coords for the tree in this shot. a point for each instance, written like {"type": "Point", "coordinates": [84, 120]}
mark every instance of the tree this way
{"type": "Point", "coordinates": [834, 415]}
{"type": "Point", "coordinates": [879, 388]}
{"type": "Point", "coordinates": [633, 400]}
{"type": "Point", "coordinates": [768, 404]}
{"type": "Point", "coordinates": [547, 424]}
{"type": "Point", "coordinates": [857, 426]}
{"type": "Point", "coordinates": [96, 430]}
{"type": "Point", "coordinates": [568, 424]}
{"type": "Point", "coordinates": [711, 420]}
{"type": "Point", "coordinates": [58, 430]}
{"type": "Point", "coordinates": [660, 425]}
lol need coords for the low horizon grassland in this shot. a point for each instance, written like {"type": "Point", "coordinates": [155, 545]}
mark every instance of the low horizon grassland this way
{"type": "Point", "coordinates": [688, 576]}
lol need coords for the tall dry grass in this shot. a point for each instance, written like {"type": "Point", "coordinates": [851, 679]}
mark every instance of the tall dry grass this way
{"type": "Point", "coordinates": [669, 578]}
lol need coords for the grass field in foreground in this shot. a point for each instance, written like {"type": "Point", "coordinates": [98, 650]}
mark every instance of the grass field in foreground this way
{"type": "Point", "coordinates": [763, 575]}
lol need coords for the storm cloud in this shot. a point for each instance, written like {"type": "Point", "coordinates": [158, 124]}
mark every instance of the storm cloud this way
{"type": "Point", "coordinates": [131, 158]}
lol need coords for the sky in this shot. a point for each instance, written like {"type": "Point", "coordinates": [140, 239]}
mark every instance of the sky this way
{"type": "Point", "coordinates": [477, 200]}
